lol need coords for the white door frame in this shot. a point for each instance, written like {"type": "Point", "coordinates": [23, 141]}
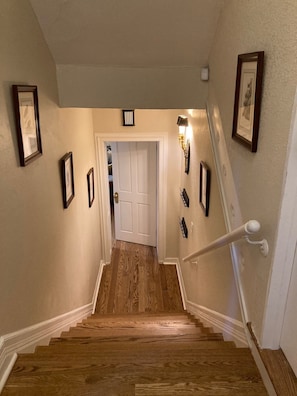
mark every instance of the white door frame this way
{"type": "Point", "coordinates": [104, 206]}
{"type": "Point", "coordinates": [285, 245]}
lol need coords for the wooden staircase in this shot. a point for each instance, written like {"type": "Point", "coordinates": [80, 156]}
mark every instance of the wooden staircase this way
{"type": "Point", "coordinates": [142, 354]}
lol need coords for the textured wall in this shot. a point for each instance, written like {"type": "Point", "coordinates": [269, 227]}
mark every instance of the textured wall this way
{"type": "Point", "coordinates": [49, 256]}
{"type": "Point", "coordinates": [248, 26]}
{"type": "Point", "coordinates": [209, 282]}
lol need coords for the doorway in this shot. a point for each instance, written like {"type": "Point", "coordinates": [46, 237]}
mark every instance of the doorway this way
{"type": "Point", "coordinates": [133, 191]}
{"type": "Point", "coordinates": [104, 197]}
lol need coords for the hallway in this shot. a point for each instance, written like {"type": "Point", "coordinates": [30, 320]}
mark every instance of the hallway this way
{"type": "Point", "coordinates": [136, 282]}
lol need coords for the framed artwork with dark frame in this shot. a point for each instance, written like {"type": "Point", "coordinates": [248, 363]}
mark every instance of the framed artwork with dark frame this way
{"type": "Point", "coordinates": [128, 118]}
{"type": "Point", "coordinates": [204, 192]}
{"type": "Point", "coordinates": [67, 179]}
{"type": "Point", "coordinates": [25, 99]}
{"type": "Point", "coordinates": [247, 102]}
{"type": "Point", "coordinates": [91, 186]}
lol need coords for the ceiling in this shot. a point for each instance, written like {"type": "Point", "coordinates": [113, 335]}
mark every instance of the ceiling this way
{"type": "Point", "coordinates": [129, 33]}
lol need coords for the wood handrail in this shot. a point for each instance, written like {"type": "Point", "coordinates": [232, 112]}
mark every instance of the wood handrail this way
{"type": "Point", "coordinates": [244, 231]}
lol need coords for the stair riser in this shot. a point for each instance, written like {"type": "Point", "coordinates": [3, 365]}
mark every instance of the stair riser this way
{"type": "Point", "coordinates": [140, 340]}
{"type": "Point", "coordinates": [77, 332]}
{"type": "Point", "coordinates": [136, 325]}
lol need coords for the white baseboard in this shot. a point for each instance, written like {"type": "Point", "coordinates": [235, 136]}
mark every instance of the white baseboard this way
{"type": "Point", "coordinates": [231, 329]}
{"type": "Point", "coordinates": [26, 340]}
{"type": "Point", "coordinates": [97, 285]}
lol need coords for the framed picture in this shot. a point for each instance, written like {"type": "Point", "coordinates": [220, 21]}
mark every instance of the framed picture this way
{"type": "Point", "coordinates": [91, 190]}
{"type": "Point", "coordinates": [25, 100]}
{"type": "Point", "coordinates": [247, 102]}
{"type": "Point", "coordinates": [187, 158]}
{"type": "Point", "coordinates": [67, 179]}
{"type": "Point", "coordinates": [204, 192]}
{"type": "Point", "coordinates": [128, 118]}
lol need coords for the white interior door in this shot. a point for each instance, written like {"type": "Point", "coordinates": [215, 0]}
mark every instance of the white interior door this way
{"type": "Point", "coordinates": [134, 167]}
{"type": "Point", "coordinates": [288, 341]}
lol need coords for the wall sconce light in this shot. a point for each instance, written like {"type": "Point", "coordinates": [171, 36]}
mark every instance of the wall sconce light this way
{"type": "Point", "coordinates": [182, 123]}
{"type": "Point", "coordinates": [184, 141]}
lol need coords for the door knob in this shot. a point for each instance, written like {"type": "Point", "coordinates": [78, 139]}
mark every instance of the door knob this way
{"type": "Point", "coordinates": [116, 197]}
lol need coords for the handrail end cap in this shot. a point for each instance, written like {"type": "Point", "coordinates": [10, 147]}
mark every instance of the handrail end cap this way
{"type": "Point", "coordinates": [252, 226]}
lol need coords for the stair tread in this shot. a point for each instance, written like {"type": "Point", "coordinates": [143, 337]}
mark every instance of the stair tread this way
{"type": "Point", "coordinates": [122, 346]}
{"type": "Point", "coordinates": [117, 332]}
{"type": "Point", "coordinates": [147, 356]}
{"type": "Point", "coordinates": [210, 387]}
{"type": "Point", "coordinates": [29, 370]}
{"type": "Point", "coordinates": [189, 388]}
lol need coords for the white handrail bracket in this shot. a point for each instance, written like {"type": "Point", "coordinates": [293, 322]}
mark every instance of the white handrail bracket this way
{"type": "Point", "coordinates": [264, 247]}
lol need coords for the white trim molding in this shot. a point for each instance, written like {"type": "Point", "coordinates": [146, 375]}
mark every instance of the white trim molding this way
{"type": "Point", "coordinates": [229, 199]}
{"type": "Point", "coordinates": [232, 329]}
{"type": "Point", "coordinates": [97, 285]}
{"type": "Point", "coordinates": [285, 247]}
{"type": "Point", "coordinates": [26, 339]}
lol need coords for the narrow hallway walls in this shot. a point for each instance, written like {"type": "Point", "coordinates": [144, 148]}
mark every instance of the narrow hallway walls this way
{"type": "Point", "coordinates": [49, 256]}
{"type": "Point", "coordinates": [209, 280]}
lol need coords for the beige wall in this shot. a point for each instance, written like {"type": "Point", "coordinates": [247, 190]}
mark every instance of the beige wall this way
{"type": "Point", "coordinates": [116, 87]}
{"type": "Point", "coordinates": [270, 26]}
{"type": "Point", "coordinates": [209, 282]}
{"type": "Point", "coordinates": [154, 122]}
{"type": "Point", "coordinates": [49, 256]}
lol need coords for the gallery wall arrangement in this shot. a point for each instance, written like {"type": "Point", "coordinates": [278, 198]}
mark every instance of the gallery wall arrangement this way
{"type": "Point", "coordinates": [26, 111]}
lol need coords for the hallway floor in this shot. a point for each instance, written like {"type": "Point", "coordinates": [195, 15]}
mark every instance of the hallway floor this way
{"type": "Point", "coordinates": [134, 282]}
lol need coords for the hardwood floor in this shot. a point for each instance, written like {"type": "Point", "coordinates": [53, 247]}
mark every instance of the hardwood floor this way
{"type": "Point", "coordinates": [136, 282]}
{"type": "Point", "coordinates": [278, 369]}
{"type": "Point", "coordinates": [140, 342]}
{"type": "Point", "coordinates": [136, 354]}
